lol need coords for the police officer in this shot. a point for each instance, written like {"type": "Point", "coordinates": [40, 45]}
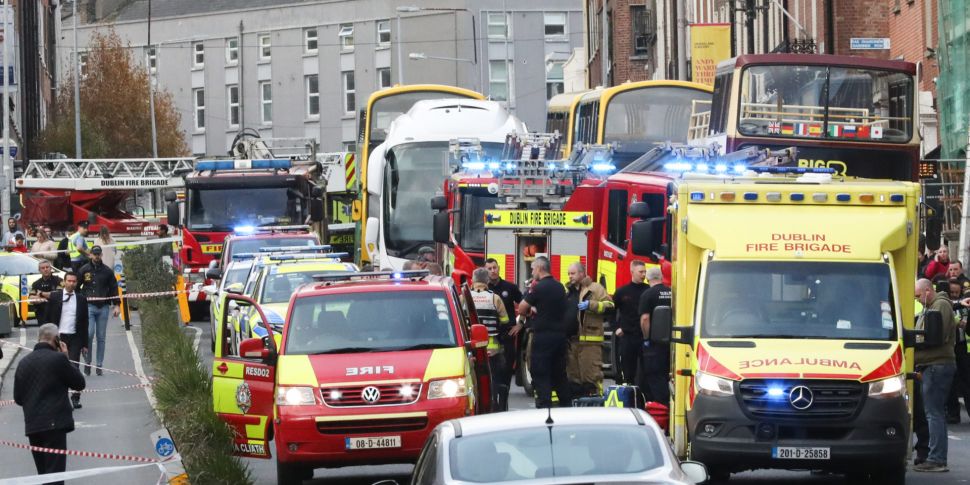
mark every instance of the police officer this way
{"type": "Point", "coordinates": [42, 287]}
{"type": "Point", "coordinates": [97, 280]}
{"type": "Point", "coordinates": [587, 305]}
{"type": "Point", "coordinates": [491, 313]}
{"type": "Point", "coordinates": [656, 356]}
{"type": "Point", "coordinates": [549, 345]}
{"type": "Point", "coordinates": [77, 247]}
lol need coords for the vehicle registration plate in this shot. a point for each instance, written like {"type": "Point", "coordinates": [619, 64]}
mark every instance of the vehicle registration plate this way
{"type": "Point", "coordinates": [800, 453]}
{"type": "Point", "coordinates": [373, 442]}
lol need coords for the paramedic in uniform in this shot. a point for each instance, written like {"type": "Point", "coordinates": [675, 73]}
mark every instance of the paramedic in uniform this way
{"type": "Point", "coordinates": [549, 345]}
{"type": "Point", "coordinates": [587, 307]}
{"type": "Point", "coordinates": [491, 313]}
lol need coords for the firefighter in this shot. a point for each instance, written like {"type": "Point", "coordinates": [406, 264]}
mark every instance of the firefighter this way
{"type": "Point", "coordinates": [491, 313]}
{"type": "Point", "coordinates": [587, 307]}
{"type": "Point", "coordinates": [545, 303]}
{"type": "Point", "coordinates": [77, 247]}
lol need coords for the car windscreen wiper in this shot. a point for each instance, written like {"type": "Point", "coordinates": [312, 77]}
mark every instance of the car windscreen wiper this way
{"type": "Point", "coordinates": [346, 350]}
{"type": "Point", "coordinates": [426, 346]}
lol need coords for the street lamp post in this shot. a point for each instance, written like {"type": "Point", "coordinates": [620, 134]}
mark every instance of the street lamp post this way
{"type": "Point", "coordinates": [77, 87]}
{"type": "Point", "coordinates": [400, 40]}
{"type": "Point", "coordinates": [420, 56]}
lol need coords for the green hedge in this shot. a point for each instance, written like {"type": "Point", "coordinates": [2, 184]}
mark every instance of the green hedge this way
{"type": "Point", "coordinates": [183, 388]}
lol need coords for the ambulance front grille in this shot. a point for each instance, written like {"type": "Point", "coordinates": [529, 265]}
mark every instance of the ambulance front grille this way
{"type": "Point", "coordinates": [373, 426]}
{"type": "Point", "coordinates": [829, 399]}
{"type": "Point", "coordinates": [389, 394]}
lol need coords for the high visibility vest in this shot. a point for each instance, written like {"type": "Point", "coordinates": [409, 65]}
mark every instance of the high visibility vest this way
{"type": "Point", "coordinates": [487, 314]}
{"type": "Point", "coordinates": [73, 251]}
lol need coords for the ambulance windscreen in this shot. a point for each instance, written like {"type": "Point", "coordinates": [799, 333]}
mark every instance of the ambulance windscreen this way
{"type": "Point", "coordinates": [772, 299]}
{"type": "Point", "coordinates": [370, 322]}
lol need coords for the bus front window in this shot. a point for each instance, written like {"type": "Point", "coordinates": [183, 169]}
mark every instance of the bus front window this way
{"type": "Point", "coordinates": [387, 109]}
{"type": "Point", "coordinates": [640, 119]}
{"type": "Point", "coordinates": [839, 103]}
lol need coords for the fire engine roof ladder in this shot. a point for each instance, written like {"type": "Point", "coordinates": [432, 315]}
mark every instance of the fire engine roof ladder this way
{"type": "Point", "coordinates": [105, 174]}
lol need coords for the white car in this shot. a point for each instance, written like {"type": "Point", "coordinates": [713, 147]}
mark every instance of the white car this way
{"type": "Point", "coordinates": [561, 446]}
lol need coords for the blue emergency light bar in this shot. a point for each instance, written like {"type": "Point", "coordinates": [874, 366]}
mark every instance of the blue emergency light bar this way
{"type": "Point", "coordinates": [297, 249]}
{"type": "Point", "coordinates": [265, 164]}
{"type": "Point", "coordinates": [720, 168]}
{"type": "Point", "coordinates": [335, 257]}
{"type": "Point", "coordinates": [373, 275]}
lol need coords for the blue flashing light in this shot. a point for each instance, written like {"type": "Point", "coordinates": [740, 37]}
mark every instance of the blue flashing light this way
{"type": "Point", "coordinates": [397, 275]}
{"type": "Point", "coordinates": [509, 166]}
{"type": "Point", "coordinates": [896, 198]}
{"type": "Point", "coordinates": [677, 167]}
{"type": "Point", "coordinates": [795, 170]}
{"type": "Point", "coordinates": [474, 166]}
{"type": "Point", "coordinates": [603, 167]}
{"type": "Point", "coordinates": [241, 256]}
{"type": "Point", "coordinates": [494, 165]}
{"type": "Point", "coordinates": [262, 164]}
{"type": "Point", "coordinates": [843, 197]}
{"type": "Point", "coordinates": [244, 230]}
{"type": "Point", "coordinates": [701, 167]}
{"type": "Point", "coordinates": [797, 197]}
{"type": "Point", "coordinates": [750, 196]}
{"type": "Point", "coordinates": [720, 168]}
{"type": "Point", "coordinates": [696, 196]}
{"type": "Point", "coordinates": [551, 166]}
{"type": "Point", "coordinates": [776, 392]}
{"type": "Point", "coordinates": [739, 168]}
{"type": "Point", "coordinates": [270, 163]}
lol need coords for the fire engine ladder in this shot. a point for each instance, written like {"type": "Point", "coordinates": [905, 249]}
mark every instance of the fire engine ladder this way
{"type": "Point", "coordinates": [533, 175]}
{"type": "Point", "coordinates": [105, 174]}
{"type": "Point", "coordinates": [249, 145]}
{"type": "Point", "coordinates": [707, 159]}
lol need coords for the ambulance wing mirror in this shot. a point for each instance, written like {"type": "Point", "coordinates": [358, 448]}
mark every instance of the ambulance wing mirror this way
{"type": "Point", "coordinates": [647, 237]}
{"type": "Point", "coordinates": [441, 227]}
{"type": "Point", "coordinates": [213, 274]}
{"type": "Point", "coordinates": [439, 203]}
{"type": "Point", "coordinates": [661, 324]}
{"type": "Point", "coordinates": [170, 196]}
{"type": "Point", "coordinates": [932, 332]}
{"type": "Point", "coordinates": [316, 209]}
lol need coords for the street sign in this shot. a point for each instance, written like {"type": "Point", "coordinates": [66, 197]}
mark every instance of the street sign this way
{"type": "Point", "coordinates": [869, 43]}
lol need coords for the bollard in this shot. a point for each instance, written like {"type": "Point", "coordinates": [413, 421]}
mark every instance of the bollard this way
{"type": "Point", "coordinates": [24, 296]}
{"type": "Point", "coordinates": [183, 300]}
{"type": "Point", "coordinates": [125, 316]}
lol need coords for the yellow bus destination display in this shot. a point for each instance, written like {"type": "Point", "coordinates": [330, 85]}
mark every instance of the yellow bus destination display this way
{"type": "Point", "coordinates": [539, 219]}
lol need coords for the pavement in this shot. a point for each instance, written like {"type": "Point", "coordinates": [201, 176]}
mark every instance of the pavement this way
{"type": "Point", "coordinates": [121, 421]}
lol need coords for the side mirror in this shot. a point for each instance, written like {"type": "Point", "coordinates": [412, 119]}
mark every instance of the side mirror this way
{"type": "Point", "coordinates": [253, 348]}
{"type": "Point", "coordinates": [695, 471]}
{"type": "Point", "coordinates": [647, 236]}
{"type": "Point", "coordinates": [639, 210]}
{"type": "Point", "coordinates": [373, 228]}
{"type": "Point", "coordinates": [173, 214]}
{"type": "Point", "coordinates": [932, 332]}
{"type": "Point", "coordinates": [441, 232]}
{"type": "Point", "coordinates": [235, 288]}
{"type": "Point", "coordinates": [479, 336]}
{"type": "Point", "coordinates": [439, 203]}
{"type": "Point", "coordinates": [213, 274]}
{"type": "Point", "coordinates": [209, 289]}
{"type": "Point", "coordinates": [170, 196]}
{"type": "Point", "coordinates": [661, 325]}
{"type": "Point", "coordinates": [316, 209]}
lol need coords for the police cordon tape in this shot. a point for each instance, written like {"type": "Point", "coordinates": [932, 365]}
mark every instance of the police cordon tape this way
{"type": "Point", "coordinates": [128, 296]}
{"type": "Point", "coordinates": [113, 371]}
{"type": "Point", "coordinates": [85, 454]}
{"type": "Point", "coordinates": [75, 474]}
{"type": "Point", "coordinates": [122, 388]}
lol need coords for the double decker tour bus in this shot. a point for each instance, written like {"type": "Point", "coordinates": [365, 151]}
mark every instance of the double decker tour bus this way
{"type": "Point", "coordinates": [560, 116]}
{"type": "Point", "coordinates": [382, 108]}
{"type": "Point", "coordinates": [852, 114]}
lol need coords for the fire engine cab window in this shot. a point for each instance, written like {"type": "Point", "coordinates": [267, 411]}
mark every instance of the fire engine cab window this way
{"type": "Point", "coordinates": [853, 104]}
{"type": "Point", "coordinates": [473, 207]}
{"type": "Point", "coordinates": [798, 300]}
{"type": "Point", "coordinates": [545, 452]}
{"type": "Point", "coordinates": [616, 219]}
{"type": "Point", "coordinates": [370, 322]}
{"type": "Point", "coordinates": [412, 176]}
{"type": "Point", "coordinates": [225, 209]}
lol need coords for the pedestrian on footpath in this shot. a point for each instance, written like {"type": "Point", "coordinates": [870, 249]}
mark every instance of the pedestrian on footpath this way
{"type": "Point", "coordinates": [40, 387]}
{"type": "Point", "coordinates": [491, 313]}
{"type": "Point", "coordinates": [588, 305]}
{"type": "Point", "coordinates": [546, 303]}
{"type": "Point", "coordinates": [628, 335]}
{"type": "Point", "coordinates": [11, 232]}
{"type": "Point", "coordinates": [77, 247]}
{"type": "Point", "coordinates": [97, 280]}
{"type": "Point", "coordinates": [69, 310]}
{"type": "Point", "coordinates": [108, 252]}
{"type": "Point", "coordinates": [44, 247]}
{"type": "Point", "coordinates": [42, 288]}
{"type": "Point", "coordinates": [655, 355]}
{"type": "Point", "coordinates": [939, 264]}
{"type": "Point", "coordinates": [936, 367]}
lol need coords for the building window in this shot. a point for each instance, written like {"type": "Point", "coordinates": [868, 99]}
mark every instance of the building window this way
{"type": "Point", "coordinates": [312, 96]}
{"type": "Point", "coordinates": [350, 146]}
{"type": "Point", "coordinates": [198, 55]}
{"type": "Point", "coordinates": [198, 96]}
{"type": "Point", "coordinates": [232, 96]}
{"type": "Point", "coordinates": [350, 94]}
{"type": "Point", "coordinates": [310, 41]}
{"type": "Point", "coordinates": [232, 51]}
{"type": "Point", "coordinates": [498, 80]}
{"type": "Point", "coordinates": [644, 32]}
{"type": "Point", "coordinates": [554, 79]}
{"type": "Point", "coordinates": [555, 24]}
{"type": "Point", "coordinates": [83, 64]}
{"type": "Point", "coordinates": [346, 36]}
{"type": "Point", "coordinates": [498, 25]}
{"type": "Point", "coordinates": [152, 53]}
{"type": "Point", "coordinates": [383, 77]}
{"type": "Point", "coordinates": [265, 47]}
{"type": "Point", "coordinates": [595, 21]}
{"type": "Point", "coordinates": [383, 33]}
{"type": "Point", "coordinates": [266, 102]}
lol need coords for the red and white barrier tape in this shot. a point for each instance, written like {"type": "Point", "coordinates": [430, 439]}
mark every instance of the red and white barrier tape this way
{"type": "Point", "coordinates": [129, 296]}
{"type": "Point", "coordinates": [113, 371]}
{"type": "Point", "coordinates": [85, 454]}
{"type": "Point", "coordinates": [122, 388]}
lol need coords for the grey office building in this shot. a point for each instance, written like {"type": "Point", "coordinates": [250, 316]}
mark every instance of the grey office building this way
{"type": "Point", "coordinates": [303, 68]}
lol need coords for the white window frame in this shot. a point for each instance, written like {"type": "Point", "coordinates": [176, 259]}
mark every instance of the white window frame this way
{"type": "Point", "coordinates": [264, 45]}
{"type": "Point", "coordinates": [545, 23]}
{"type": "Point", "coordinates": [385, 30]}
{"type": "Point", "coordinates": [349, 84]}
{"type": "Point", "coordinates": [308, 39]}
{"type": "Point", "coordinates": [265, 103]}
{"type": "Point", "coordinates": [82, 64]}
{"type": "Point", "coordinates": [198, 55]}
{"type": "Point", "coordinates": [232, 51]}
{"type": "Point", "coordinates": [198, 111]}
{"type": "Point", "coordinates": [310, 95]}
{"type": "Point", "coordinates": [380, 80]}
{"type": "Point", "coordinates": [151, 53]}
{"type": "Point", "coordinates": [561, 80]}
{"type": "Point", "coordinates": [346, 36]}
{"type": "Point", "coordinates": [232, 106]}
{"type": "Point", "coordinates": [493, 80]}
{"type": "Point", "coordinates": [489, 24]}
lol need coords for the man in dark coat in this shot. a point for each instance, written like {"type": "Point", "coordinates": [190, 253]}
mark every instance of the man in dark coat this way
{"type": "Point", "coordinates": [40, 387]}
{"type": "Point", "coordinates": [68, 309]}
